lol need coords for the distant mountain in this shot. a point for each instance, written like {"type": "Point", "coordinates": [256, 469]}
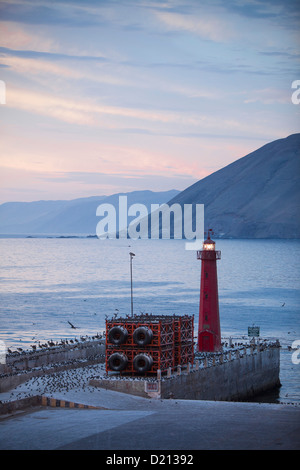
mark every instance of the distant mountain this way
{"type": "Point", "coordinates": [76, 217]}
{"type": "Point", "coordinates": [257, 196]}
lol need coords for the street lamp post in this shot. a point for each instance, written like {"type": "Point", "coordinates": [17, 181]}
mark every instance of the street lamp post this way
{"type": "Point", "coordinates": [131, 256]}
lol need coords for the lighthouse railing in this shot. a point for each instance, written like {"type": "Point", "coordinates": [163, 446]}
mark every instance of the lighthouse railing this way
{"type": "Point", "coordinates": [206, 254]}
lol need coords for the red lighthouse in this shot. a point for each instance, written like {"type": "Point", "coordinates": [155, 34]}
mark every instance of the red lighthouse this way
{"type": "Point", "coordinates": [209, 331]}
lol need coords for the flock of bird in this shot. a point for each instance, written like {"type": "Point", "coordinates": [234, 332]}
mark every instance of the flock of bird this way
{"type": "Point", "coordinates": [51, 344]}
{"type": "Point", "coordinates": [68, 384]}
{"type": "Point", "coordinates": [62, 383]}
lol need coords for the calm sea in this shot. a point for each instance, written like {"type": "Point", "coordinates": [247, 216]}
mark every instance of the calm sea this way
{"type": "Point", "coordinates": [46, 282]}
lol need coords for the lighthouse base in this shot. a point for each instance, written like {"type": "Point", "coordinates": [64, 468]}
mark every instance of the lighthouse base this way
{"type": "Point", "coordinates": [208, 342]}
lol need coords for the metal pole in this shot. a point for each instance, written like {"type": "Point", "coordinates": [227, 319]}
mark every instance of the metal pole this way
{"type": "Point", "coordinates": [131, 256]}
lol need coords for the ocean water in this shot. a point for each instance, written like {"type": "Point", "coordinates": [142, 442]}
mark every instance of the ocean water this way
{"type": "Point", "coordinates": [46, 282]}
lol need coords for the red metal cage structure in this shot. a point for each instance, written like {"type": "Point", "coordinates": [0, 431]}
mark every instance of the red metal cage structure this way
{"type": "Point", "coordinates": [142, 344]}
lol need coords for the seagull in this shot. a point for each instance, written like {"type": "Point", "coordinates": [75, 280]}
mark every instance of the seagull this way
{"type": "Point", "coordinates": [72, 326]}
{"type": "Point", "coordinates": [283, 304]}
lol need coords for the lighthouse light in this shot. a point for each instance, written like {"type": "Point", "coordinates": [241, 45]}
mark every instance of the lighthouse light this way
{"type": "Point", "coordinates": [208, 246]}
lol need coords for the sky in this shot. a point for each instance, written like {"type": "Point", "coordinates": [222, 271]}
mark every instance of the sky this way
{"type": "Point", "coordinates": [112, 96]}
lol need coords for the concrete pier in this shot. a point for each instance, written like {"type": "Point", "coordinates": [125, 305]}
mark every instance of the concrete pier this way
{"type": "Point", "coordinates": [40, 413]}
{"type": "Point", "coordinates": [237, 375]}
{"type": "Point", "coordinates": [234, 375]}
{"type": "Point", "coordinates": [125, 422]}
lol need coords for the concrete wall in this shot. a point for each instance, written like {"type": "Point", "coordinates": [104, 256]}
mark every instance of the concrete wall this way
{"type": "Point", "coordinates": [20, 368]}
{"type": "Point", "coordinates": [234, 380]}
{"type": "Point", "coordinates": [241, 377]}
{"type": "Point", "coordinates": [31, 359]}
{"type": "Point", "coordinates": [17, 405]}
{"type": "Point", "coordinates": [38, 400]}
{"type": "Point", "coordinates": [133, 387]}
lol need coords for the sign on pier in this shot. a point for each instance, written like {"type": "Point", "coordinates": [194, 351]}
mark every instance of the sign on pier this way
{"type": "Point", "coordinates": [253, 331]}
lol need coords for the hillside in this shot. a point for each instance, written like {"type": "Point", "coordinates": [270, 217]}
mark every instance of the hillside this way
{"type": "Point", "coordinates": [257, 196]}
{"type": "Point", "coordinates": [77, 216]}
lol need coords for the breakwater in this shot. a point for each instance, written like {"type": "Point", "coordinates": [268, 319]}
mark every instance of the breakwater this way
{"type": "Point", "coordinates": [234, 375]}
{"type": "Point", "coordinates": [21, 366]}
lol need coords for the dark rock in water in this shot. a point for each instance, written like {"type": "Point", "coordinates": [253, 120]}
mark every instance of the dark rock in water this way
{"type": "Point", "coordinates": [257, 196]}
